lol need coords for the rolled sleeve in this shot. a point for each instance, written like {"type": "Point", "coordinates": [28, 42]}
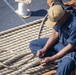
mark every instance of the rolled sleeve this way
{"type": "Point", "coordinates": [72, 37]}
{"type": "Point", "coordinates": [56, 28]}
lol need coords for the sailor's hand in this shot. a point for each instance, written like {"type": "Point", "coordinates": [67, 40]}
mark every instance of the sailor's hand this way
{"type": "Point", "coordinates": [47, 61]}
{"type": "Point", "coordinates": [40, 53]}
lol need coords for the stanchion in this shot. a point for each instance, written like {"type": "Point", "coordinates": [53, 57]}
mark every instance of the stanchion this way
{"type": "Point", "coordinates": [23, 10]}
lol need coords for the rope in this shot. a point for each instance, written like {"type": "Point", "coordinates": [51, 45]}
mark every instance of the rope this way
{"type": "Point", "coordinates": [7, 66]}
{"type": "Point", "coordinates": [42, 23]}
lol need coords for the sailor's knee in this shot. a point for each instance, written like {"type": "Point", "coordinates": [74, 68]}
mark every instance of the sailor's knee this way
{"type": "Point", "coordinates": [32, 43]}
{"type": "Point", "coordinates": [66, 65]}
{"type": "Point", "coordinates": [68, 62]}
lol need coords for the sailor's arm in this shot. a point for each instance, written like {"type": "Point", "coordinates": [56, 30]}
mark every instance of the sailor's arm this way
{"type": "Point", "coordinates": [52, 39]}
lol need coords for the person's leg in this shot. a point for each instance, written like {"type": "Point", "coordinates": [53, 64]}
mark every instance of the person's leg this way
{"type": "Point", "coordinates": [58, 47]}
{"type": "Point", "coordinates": [67, 64]}
{"type": "Point", "coordinates": [38, 44]}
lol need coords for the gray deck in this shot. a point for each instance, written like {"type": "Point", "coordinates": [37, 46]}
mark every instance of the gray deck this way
{"type": "Point", "coordinates": [9, 19]}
